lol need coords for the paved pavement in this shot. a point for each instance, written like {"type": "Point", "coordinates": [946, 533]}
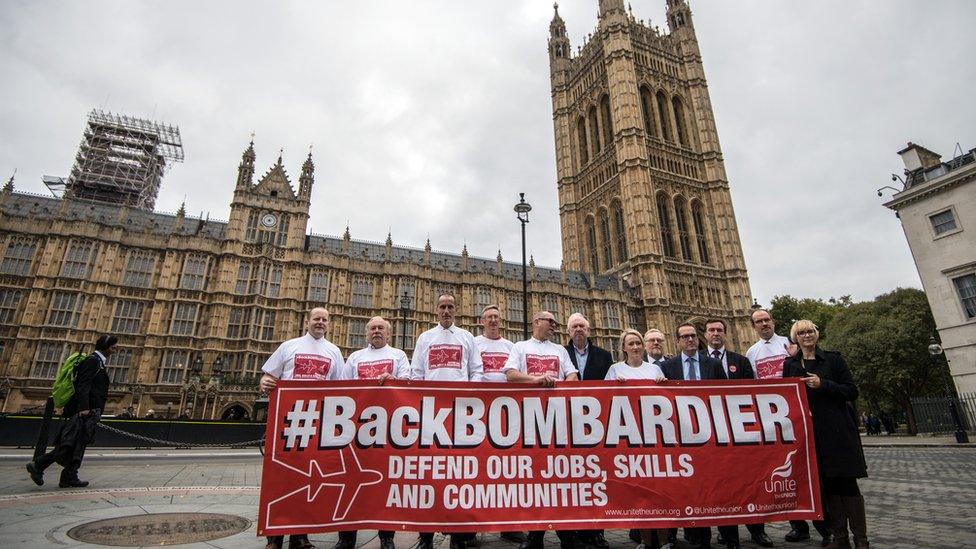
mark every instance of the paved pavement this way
{"type": "Point", "coordinates": [917, 496]}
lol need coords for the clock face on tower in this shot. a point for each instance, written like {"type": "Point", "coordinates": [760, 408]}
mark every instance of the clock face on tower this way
{"type": "Point", "coordinates": [269, 220]}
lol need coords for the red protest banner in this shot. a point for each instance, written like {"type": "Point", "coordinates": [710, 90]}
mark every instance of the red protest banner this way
{"type": "Point", "coordinates": [455, 457]}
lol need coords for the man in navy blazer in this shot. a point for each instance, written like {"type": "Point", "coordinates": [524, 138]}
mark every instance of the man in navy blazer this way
{"type": "Point", "coordinates": [591, 361]}
{"type": "Point", "coordinates": [736, 366]}
{"type": "Point", "coordinates": [692, 365]}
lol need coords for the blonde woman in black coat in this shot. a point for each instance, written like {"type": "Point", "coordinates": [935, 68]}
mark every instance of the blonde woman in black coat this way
{"type": "Point", "coordinates": [831, 393]}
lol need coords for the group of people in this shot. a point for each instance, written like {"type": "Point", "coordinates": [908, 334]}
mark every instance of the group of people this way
{"type": "Point", "coordinates": [448, 352]}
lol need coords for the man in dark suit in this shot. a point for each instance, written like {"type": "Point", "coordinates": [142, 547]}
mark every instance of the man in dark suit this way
{"type": "Point", "coordinates": [592, 363]}
{"type": "Point", "coordinates": [736, 366]}
{"type": "Point", "coordinates": [691, 365]}
{"type": "Point", "coordinates": [81, 415]}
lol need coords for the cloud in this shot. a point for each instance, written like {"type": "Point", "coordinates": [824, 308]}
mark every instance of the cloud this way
{"type": "Point", "coordinates": [430, 118]}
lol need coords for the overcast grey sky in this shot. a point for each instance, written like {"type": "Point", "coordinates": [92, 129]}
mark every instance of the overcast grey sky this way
{"type": "Point", "coordinates": [427, 118]}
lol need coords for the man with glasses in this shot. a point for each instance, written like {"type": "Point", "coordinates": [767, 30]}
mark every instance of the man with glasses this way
{"type": "Point", "coordinates": [690, 365]}
{"type": "Point", "coordinates": [767, 356]}
{"type": "Point", "coordinates": [654, 346]}
{"type": "Point", "coordinates": [541, 362]}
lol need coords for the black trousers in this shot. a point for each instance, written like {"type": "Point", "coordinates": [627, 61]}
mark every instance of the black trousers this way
{"type": "Point", "coordinates": [70, 444]}
{"type": "Point", "coordinates": [566, 537]}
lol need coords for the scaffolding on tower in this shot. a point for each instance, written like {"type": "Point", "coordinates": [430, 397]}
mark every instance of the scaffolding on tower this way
{"type": "Point", "coordinates": [122, 160]}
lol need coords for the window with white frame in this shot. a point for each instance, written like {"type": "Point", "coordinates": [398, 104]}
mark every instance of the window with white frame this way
{"type": "Point", "coordinates": [18, 256]}
{"type": "Point", "coordinates": [117, 366]}
{"type": "Point", "coordinates": [78, 259]}
{"type": "Point", "coordinates": [65, 309]}
{"type": "Point", "coordinates": [184, 321]}
{"type": "Point", "coordinates": [966, 286]}
{"type": "Point", "coordinates": [362, 292]}
{"type": "Point", "coordinates": [194, 272]}
{"type": "Point", "coordinates": [139, 269]}
{"type": "Point", "coordinates": [128, 316]}
{"type": "Point", "coordinates": [318, 286]}
{"type": "Point", "coordinates": [356, 337]}
{"type": "Point", "coordinates": [50, 354]}
{"type": "Point", "coordinates": [943, 222]}
{"type": "Point", "coordinates": [173, 367]}
{"type": "Point", "coordinates": [9, 302]}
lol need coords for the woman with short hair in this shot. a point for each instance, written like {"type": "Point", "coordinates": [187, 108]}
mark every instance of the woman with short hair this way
{"type": "Point", "coordinates": [831, 393]}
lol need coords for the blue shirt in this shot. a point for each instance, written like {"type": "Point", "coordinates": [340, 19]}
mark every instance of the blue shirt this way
{"type": "Point", "coordinates": [581, 358]}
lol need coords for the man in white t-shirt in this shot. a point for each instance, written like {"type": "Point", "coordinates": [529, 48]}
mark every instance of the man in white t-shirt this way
{"type": "Point", "coordinates": [378, 360]}
{"type": "Point", "coordinates": [492, 347]}
{"type": "Point", "coordinates": [445, 353]}
{"type": "Point", "coordinates": [494, 350]}
{"type": "Point", "coordinates": [767, 356]}
{"type": "Point", "coordinates": [310, 357]}
{"type": "Point", "coordinates": [381, 362]}
{"type": "Point", "coordinates": [539, 361]}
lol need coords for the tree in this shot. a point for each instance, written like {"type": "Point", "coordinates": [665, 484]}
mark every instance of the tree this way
{"type": "Point", "coordinates": [885, 344]}
{"type": "Point", "coordinates": [786, 309]}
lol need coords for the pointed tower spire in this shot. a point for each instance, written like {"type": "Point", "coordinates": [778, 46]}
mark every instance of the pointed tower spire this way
{"type": "Point", "coordinates": [679, 15]}
{"type": "Point", "coordinates": [559, 48]}
{"type": "Point", "coordinates": [307, 178]}
{"type": "Point", "coordinates": [245, 172]}
{"type": "Point", "coordinates": [427, 245]}
{"type": "Point", "coordinates": [182, 211]}
{"type": "Point", "coordinates": [345, 239]}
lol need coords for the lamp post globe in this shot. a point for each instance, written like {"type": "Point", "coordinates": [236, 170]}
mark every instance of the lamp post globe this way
{"type": "Point", "coordinates": [522, 210]}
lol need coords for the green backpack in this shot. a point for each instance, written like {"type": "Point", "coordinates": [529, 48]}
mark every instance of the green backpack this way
{"type": "Point", "coordinates": [64, 383]}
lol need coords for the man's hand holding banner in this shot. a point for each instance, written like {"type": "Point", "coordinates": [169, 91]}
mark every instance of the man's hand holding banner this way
{"type": "Point", "coordinates": [460, 457]}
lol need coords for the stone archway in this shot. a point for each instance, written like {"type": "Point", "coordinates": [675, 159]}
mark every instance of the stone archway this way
{"type": "Point", "coordinates": [235, 412]}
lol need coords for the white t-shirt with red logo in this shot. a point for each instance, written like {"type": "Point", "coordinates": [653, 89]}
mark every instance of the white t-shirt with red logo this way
{"type": "Point", "coordinates": [370, 363]}
{"type": "Point", "coordinates": [767, 356]}
{"type": "Point", "coordinates": [538, 358]}
{"type": "Point", "coordinates": [622, 370]}
{"type": "Point", "coordinates": [446, 354]}
{"type": "Point", "coordinates": [494, 354]}
{"type": "Point", "coordinates": [305, 358]}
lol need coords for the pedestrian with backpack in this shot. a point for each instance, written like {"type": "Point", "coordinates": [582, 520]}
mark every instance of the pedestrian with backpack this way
{"type": "Point", "coordinates": [80, 416]}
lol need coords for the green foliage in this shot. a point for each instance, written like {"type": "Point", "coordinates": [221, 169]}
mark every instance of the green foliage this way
{"type": "Point", "coordinates": [786, 310]}
{"type": "Point", "coordinates": [885, 344]}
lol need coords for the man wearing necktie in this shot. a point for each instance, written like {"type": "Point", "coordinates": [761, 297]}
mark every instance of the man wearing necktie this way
{"type": "Point", "coordinates": [736, 366]}
{"type": "Point", "coordinates": [690, 365]}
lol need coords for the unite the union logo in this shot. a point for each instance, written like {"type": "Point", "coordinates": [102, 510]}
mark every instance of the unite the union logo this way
{"type": "Point", "coordinates": [781, 481]}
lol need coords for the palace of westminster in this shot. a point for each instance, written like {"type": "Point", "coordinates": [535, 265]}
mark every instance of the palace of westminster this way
{"type": "Point", "coordinates": [649, 239]}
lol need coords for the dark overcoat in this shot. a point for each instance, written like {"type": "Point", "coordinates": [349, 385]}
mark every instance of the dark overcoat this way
{"type": "Point", "coordinates": [839, 452]}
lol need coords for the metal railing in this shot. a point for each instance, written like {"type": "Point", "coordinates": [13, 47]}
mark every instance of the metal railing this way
{"type": "Point", "coordinates": [932, 413]}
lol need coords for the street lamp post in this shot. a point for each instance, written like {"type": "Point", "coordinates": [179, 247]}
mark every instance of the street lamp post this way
{"type": "Point", "coordinates": [961, 437]}
{"type": "Point", "coordinates": [522, 210]}
{"type": "Point", "coordinates": [404, 311]}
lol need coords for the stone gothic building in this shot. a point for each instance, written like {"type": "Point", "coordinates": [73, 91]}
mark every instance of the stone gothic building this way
{"type": "Point", "coordinates": [649, 239]}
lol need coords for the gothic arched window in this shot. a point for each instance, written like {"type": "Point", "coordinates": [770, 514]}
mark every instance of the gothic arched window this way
{"type": "Point", "coordinates": [607, 121]}
{"type": "Point", "coordinates": [594, 131]}
{"type": "Point", "coordinates": [647, 109]}
{"type": "Point", "coordinates": [605, 236]}
{"type": "Point", "coordinates": [591, 245]}
{"type": "Point", "coordinates": [618, 226]}
{"type": "Point", "coordinates": [665, 114]}
{"type": "Point", "coordinates": [698, 219]}
{"type": "Point", "coordinates": [682, 220]}
{"type": "Point", "coordinates": [584, 149]}
{"type": "Point", "coordinates": [679, 120]}
{"type": "Point", "coordinates": [664, 217]}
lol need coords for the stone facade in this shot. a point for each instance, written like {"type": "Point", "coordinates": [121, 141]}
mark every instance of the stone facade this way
{"type": "Point", "coordinates": [643, 192]}
{"type": "Point", "coordinates": [937, 209]}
